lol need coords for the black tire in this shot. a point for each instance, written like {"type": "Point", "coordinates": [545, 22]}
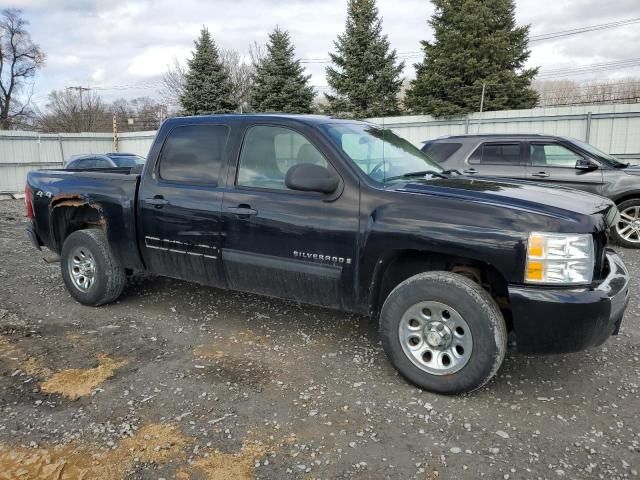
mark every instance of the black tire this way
{"type": "Point", "coordinates": [109, 277]}
{"type": "Point", "coordinates": [474, 305]}
{"type": "Point", "coordinates": [622, 206]}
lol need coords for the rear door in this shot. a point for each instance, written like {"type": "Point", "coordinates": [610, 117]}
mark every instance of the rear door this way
{"type": "Point", "coordinates": [554, 163]}
{"type": "Point", "coordinates": [499, 158]}
{"type": "Point", "coordinates": [285, 243]}
{"type": "Point", "coordinates": [180, 205]}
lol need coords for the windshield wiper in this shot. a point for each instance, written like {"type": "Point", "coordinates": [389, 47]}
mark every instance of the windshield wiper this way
{"type": "Point", "coordinates": [452, 170]}
{"type": "Point", "coordinates": [422, 173]}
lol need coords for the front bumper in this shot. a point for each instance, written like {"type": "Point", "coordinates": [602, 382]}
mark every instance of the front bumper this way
{"type": "Point", "coordinates": [552, 320]}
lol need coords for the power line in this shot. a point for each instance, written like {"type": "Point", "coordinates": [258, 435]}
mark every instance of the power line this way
{"type": "Point", "coordinates": [590, 28]}
{"type": "Point", "coordinates": [586, 69]}
{"type": "Point", "coordinates": [532, 38]}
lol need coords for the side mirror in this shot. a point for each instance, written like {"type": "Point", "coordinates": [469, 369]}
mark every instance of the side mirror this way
{"type": "Point", "coordinates": [585, 164]}
{"type": "Point", "coordinates": [308, 177]}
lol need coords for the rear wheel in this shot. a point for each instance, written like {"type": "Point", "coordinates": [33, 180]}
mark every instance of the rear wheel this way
{"type": "Point", "coordinates": [627, 231]}
{"type": "Point", "coordinates": [91, 273]}
{"type": "Point", "coordinates": [443, 332]}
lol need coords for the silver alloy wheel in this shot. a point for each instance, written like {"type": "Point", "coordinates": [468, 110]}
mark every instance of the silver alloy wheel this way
{"type": "Point", "coordinates": [82, 268]}
{"type": "Point", "coordinates": [435, 338]}
{"type": "Point", "coordinates": [628, 226]}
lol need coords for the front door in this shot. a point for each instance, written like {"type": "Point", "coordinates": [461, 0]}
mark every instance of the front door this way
{"type": "Point", "coordinates": [279, 242]}
{"type": "Point", "coordinates": [180, 206]}
{"type": "Point", "coordinates": [554, 164]}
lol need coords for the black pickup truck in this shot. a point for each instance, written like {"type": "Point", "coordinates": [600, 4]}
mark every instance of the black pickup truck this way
{"type": "Point", "coordinates": [349, 216]}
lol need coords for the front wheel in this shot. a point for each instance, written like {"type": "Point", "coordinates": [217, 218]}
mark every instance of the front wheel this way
{"type": "Point", "coordinates": [627, 231]}
{"type": "Point", "coordinates": [443, 332]}
{"type": "Point", "coordinates": [91, 273]}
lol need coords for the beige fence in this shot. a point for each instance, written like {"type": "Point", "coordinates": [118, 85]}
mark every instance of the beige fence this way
{"type": "Point", "coordinates": [21, 152]}
{"type": "Point", "coordinates": [612, 128]}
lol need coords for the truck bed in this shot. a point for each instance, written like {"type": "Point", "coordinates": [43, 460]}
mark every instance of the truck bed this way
{"type": "Point", "coordinates": [107, 198]}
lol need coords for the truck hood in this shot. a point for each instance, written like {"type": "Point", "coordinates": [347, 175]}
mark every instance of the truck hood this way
{"type": "Point", "coordinates": [515, 194]}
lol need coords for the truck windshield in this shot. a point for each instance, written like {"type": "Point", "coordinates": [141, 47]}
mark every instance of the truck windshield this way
{"type": "Point", "coordinates": [380, 153]}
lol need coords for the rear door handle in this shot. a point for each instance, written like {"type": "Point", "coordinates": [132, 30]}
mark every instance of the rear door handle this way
{"type": "Point", "coordinates": [157, 202]}
{"type": "Point", "coordinates": [540, 174]}
{"type": "Point", "coordinates": [470, 170]}
{"type": "Point", "coordinates": [242, 211]}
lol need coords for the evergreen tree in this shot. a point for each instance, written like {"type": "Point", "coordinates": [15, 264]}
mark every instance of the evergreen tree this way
{"type": "Point", "coordinates": [280, 84]}
{"type": "Point", "coordinates": [364, 77]}
{"type": "Point", "coordinates": [476, 42]}
{"type": "Point", "coordinates": [207, 88]}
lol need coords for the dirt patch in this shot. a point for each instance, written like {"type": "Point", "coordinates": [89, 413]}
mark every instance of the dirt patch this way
{"type": "Point", "coordinates": [59, 463]}
{"type": "Point", "coordinates": [208, 352]}
{"type": "Point", "coordinates": [75, 383]}
{"type": "Point", "coordinates": [18, 359]}
{"type": "Point", "coordinates": [155, 443]}
{"type": "Point", "coordinates": [223, 466]}
{"type": "Point", "coordinates": [33, 366]}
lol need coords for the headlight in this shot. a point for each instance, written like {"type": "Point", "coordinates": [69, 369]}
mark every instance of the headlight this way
{"type": "Point", "coordinates": [560, 258]}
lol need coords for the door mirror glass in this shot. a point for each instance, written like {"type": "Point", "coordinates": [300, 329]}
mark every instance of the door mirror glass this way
{"type": "Point", "coordinates": [308, 177]}
{"type": "Point", "coordinates": [585, 164]}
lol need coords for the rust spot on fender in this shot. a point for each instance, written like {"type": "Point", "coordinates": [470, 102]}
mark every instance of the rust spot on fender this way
{"type": "Point", "coordinates": [75, 201]}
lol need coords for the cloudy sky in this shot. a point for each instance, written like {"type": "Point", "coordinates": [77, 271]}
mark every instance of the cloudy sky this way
{"type": "Point", "coordinates": [123, 47]}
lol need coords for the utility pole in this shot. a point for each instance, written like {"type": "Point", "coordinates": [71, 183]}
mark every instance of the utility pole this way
{"type": "Point", "coordinates": [82, 124]}
{"type": "Point", "coordinates": [482, 97]}
{"type": "Point", "coordinates": [115, 132]}
{"type": "Point", "coordinates": [484, 84]}
{"type": "Point", "coordinates": [80, 89]}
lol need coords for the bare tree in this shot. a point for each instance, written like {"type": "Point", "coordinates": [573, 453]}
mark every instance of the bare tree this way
{"type": "Point", "coordinates": [71, 111]}
{"type": "Point", "coordinates": [173, 84]}
{"type": "Point", "coordinates": [142, 113]}
{"type": "Point", "coordinates": [20, 58]}
{"type": "Point", "coordinates": [241, 75]}
{"type": "Point", "coordinates": [555, 93]}
{"type": "Point", "coordinates": [240, 70]}
{"type": "Point", "coordinates": [257, 52]}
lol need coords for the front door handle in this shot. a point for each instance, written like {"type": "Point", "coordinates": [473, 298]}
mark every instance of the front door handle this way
{"type": "Point", "coordinates": [470, 170]}
{"type": "Point", "coordinates": [157, 202]}
{"type": "Point", "coordinates": [242, 210]}
{"type": "Point", "coordinates": [540, 174]}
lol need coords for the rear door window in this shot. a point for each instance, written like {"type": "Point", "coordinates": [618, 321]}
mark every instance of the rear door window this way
{"type": "Point", "coordinates": [193, 154]}
{"type": "Point", "coordinates": [441, 151]}
{"type": "Point", "coordinates": [498, 153]}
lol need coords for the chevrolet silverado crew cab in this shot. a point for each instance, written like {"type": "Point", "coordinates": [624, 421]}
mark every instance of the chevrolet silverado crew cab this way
{"type": "Point", "coordinates": [345, 215]}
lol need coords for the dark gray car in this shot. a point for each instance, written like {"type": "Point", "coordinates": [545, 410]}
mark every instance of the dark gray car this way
{"type": "Point", "coordinates": [552, 160]}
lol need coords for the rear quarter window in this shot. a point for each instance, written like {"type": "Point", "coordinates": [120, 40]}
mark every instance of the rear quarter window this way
{"type": "Point", "coordinates": [193, 154]}
{"type": "Point", "coordinates": [441, 151]}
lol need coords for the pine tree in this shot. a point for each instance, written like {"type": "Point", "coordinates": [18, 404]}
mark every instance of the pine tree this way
{"type": "Point", "coordinates": [476, 42]}
{"type": "Point", "coordinates": [207, 88]}
{"type": "Point", "coordinates": [280, 84]}
{"type": "Point", "coordinates": [364, 77]}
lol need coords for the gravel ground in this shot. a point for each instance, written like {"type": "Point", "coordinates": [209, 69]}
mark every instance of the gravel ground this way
{"type": "Point", "coordinates": [177, 380]}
